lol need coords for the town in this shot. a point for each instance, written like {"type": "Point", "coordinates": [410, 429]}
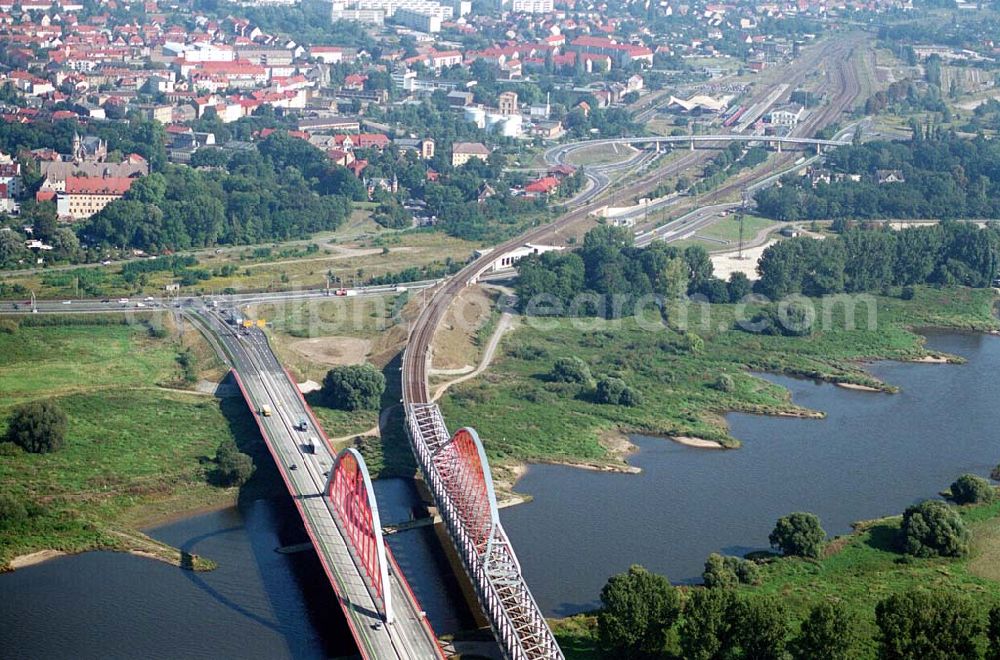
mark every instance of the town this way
{"type": "Point", "coordinates": [499, 329]}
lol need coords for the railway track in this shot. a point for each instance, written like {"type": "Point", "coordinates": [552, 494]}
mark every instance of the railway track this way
{"type": "Point", "coordinates": [415, 387]}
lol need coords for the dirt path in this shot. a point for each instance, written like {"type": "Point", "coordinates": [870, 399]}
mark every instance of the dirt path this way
{"type": "Point", "coordinates": [506, 323]}
{"type": "Point", "coordinates": [375, 431]}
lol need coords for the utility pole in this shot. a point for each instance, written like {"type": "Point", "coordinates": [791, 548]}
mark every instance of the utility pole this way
{"type": "Point", "coordinates": [740, 217]}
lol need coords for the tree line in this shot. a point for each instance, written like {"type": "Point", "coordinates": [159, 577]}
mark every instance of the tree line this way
{"type": "Point", "coordinates": [287, 190]}
{"type": "Point", "coordinates": [863, 259]}
{"type": "Point", "coordinates": [644, 616]}
{"type": "Point", "coordinates": [611, 273]}
{"type": "Point", "coordinates": [945, 176]}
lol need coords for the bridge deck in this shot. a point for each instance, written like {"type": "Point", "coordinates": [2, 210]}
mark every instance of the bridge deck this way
{"type": "Point", "coordinates": [263, 381]}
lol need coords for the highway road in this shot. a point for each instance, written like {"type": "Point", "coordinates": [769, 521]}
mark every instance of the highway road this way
{"type": "Point", "coordinates": [265, 382]}
{"type": "Point", "coordinates": [138, 304]}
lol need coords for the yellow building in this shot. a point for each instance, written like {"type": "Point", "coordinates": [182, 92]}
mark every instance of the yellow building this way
{"type": "Point", "coordinates": [463, 152]}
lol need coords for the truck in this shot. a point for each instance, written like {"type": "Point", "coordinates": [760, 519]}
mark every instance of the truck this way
{"type": "Point", "coordinates": [265, 411]}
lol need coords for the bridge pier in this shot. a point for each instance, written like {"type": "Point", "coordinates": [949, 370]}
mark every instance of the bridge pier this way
{"type": "Point", "coordinates": [778, 144]}
{"type": "Point", "coordinates": [692, 145]}
{"type": "Point", "coordinates": [819, 149]}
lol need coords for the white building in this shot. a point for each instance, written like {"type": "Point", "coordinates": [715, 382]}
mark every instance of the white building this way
{"type": "Point", "coordinates": [509, 260]}
{"type": "Point", "coordinates": [532, 6]}
{"type": "Point", "coordinates": [789, 116]}
{"type": "Point", "coordinates": [418, 20]}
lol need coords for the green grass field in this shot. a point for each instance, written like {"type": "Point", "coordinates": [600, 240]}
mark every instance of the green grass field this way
{"type": "Point", "coordinates": [134, 452]}
{"type": "Point", "coordinates": [725, 234]}
{"type": "Point", "coordinates": [54, 360]}
{"type": "Point", "coordinates": [521, 416]}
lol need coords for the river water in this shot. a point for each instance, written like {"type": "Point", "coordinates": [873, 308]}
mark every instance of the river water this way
{"type": "Point", "coordinates": [257, 604]}
{"type": "Point", "coordinates": [873, 455]}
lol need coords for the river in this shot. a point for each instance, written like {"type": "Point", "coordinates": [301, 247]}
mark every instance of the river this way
{"type": "Point", "coordinates": [257, 604]}
{"type": "Point", "coordinates": [873, 455]}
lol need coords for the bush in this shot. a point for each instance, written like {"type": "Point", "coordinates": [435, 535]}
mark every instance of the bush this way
{"type": "Point", "coordinates": [728, 572]}
{"type": "Point", "coordinates": [718, 574]}
{"type": "Point", "coordinates": [639, 609]}
{"type": "Point", "coordinates": [571, 370]}
{"type": "Point", "coordinates": [38, 427]}
{"type": "Point", "coordinates": [907, 293]}
{"type": "Point", "coordinates": [724, 383]}
{"type": "Point", "coordinates": [610, 390]}
{"type": "Point", "coordinates": [234, 468]}
{"type": "Point", "coordinates": [529, 352]}
{"type": "Point", "coordinates": [354, 387]}
{"type": "Point", "coordinates": [921, 624]}
{"type": "Point", "coordinates": [934, 529]}
{"type": "Point", "coordinates": [8, 326]}
{"type": "Point", "coordinates": [971, 489]}
{"type": "Point", "coordinates": [995, 474]}
{"type": "Point", "coordinates": [798, 534]}
{"type": "Point", "coordinates": [12, 510]}
{"type": "Point", "coordinates": [631, 397]}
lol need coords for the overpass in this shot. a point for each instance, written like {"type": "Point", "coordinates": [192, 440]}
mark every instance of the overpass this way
{"type": "Point", "coordinates": [333, 494]}
{"type": "Point", "coordinates": [557, 154]}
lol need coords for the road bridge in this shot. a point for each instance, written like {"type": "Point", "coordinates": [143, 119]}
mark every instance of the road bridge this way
{"type": "Point", "coordinates": [334, 496]}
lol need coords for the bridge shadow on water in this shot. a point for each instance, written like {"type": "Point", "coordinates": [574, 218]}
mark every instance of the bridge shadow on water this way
{"type": "Point", "coordinates": [302, 606]}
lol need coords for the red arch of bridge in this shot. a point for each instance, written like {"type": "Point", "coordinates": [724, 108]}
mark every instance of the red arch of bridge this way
{"type": "Point", "coordinates": [462, 462]}
{"type": "Point", "coordinates": [349, 487]}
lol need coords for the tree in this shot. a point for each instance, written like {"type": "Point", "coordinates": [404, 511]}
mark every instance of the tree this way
{"type": "Point", "coordinates": [799, 534]}
{"type": "Point", "coordinates": [638, 610]}
{"type": "Point", "coordinates": [354, 387]}
{"type": "Point", "coordinates": [934, 529]}
{"type": "Point", "coordinates": [760, 627]}
{"type": "Point", "coordinates": [739, 286]}
{"type": "Point", "coordinates": [65, 244]}
{"type": "Point", "coordinates": [920, 625]}
{"type": "Point", "coordinates": [571, 370]}
{"type": "Point", "coordinates": [392, 215]}
{"type": "Point", "coordinates": [38, 427]}
{"type": "Point", "coordinates": [830, 632]}
{"type": "Point", "coordinates": [699, 266]}
{"type": "Point", "coordinates": [234, 468]}
{"type": "Point", "coordinates": [706, 631]}
{"type": "Point", "coordinates": [11, 247]}
{"type": "Point", "coordinates": [993, 634]}
{"type": "Point", "coordinates": [971, 489]}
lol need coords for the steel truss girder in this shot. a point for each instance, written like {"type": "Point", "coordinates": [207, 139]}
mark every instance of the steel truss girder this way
{"type": "Point", "coordinates": [349, 488]}
{"type": "Point", "coordinates": [458, 474]}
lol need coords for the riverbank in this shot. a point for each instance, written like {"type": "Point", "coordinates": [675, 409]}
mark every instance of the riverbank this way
{"type": "Point", "coordinates": [688, 379]}
{"type": "Point", "coordinates": [135, 454]}
{"type": "Point", "coordinates": [858, 570]}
